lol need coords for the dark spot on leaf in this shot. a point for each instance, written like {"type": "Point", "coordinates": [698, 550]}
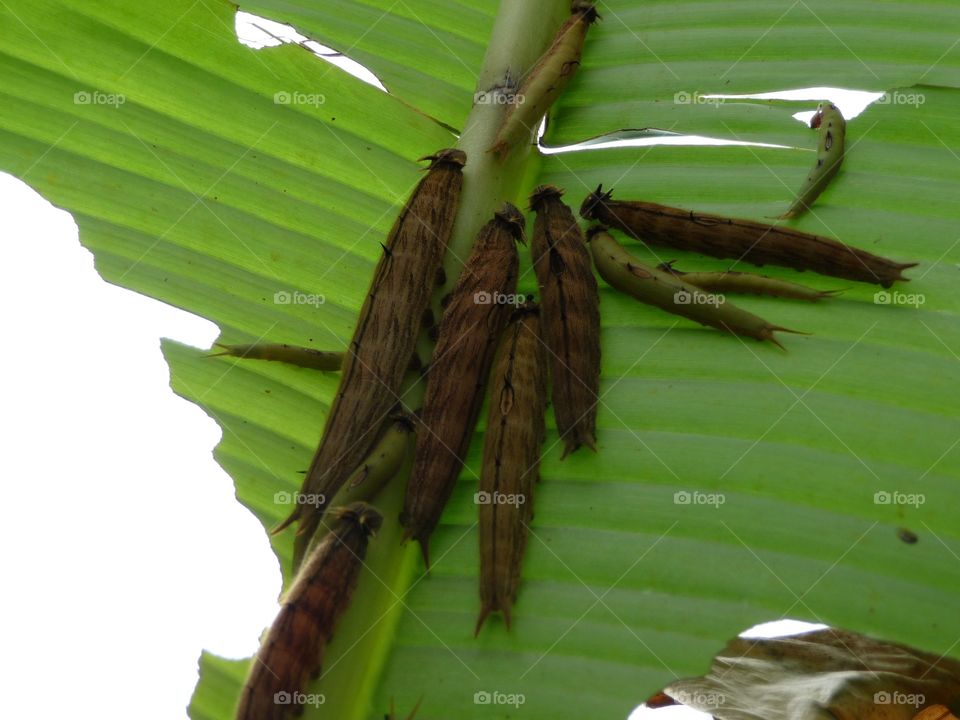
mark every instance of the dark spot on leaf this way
{"type": "Point", "coordinates": [908, 536]}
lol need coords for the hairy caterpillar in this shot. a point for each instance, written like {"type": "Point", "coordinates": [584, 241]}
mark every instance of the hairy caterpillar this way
{"type": "Point", "coordinates": [746, 240]}
{"type": "Point", "coordinates": [385, 337]}
{"type": "Point", "coordinates": [544, 83]}
{"type": "Point", "coordinates": [628, 275]}
{"type": "Point", "coordinates": [292, 651]}
{"type": "Point", "coordinates": [829, 121]}
{"type": "Point", "coordinates": [732, 281]}
{"type": "Point", "coordinates": [290, 354]}
{"type": "Point", "coordinates": [511, 459]}
{"type": "Point", "coordinates": [472, 321]}
{"type": "Point", "coordinates": [571, 316]}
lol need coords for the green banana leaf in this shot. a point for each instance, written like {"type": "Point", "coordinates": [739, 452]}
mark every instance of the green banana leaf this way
{"type": "Point", "coordinates": [734, 483]}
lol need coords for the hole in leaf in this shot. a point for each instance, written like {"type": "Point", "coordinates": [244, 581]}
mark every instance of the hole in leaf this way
{"type": "Point", "coordinates": [257, 32]}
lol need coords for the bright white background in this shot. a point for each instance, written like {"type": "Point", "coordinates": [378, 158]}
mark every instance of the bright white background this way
{"type": "Point", "coordinates": [124, 551]}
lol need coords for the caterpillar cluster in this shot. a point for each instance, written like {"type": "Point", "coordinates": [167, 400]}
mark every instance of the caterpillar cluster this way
{"type": "Point", "coordinates": [522, 353]}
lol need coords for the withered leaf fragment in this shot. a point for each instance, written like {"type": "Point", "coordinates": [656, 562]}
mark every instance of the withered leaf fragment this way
{"type": "Point", "coordinates": [668, 292]}
{"type": "Point", "coordinates": [752, 242]}
{"type": "Point", "coordinates": [471, 324]}
{"type": "Point", "coordinates": [385, 338]}
{"type": "Point", "coordinates": [540, 87]}
{"type": "Point", "coordinates": [292, 651]}
{"type": "Point", "coordinates": [511, 459]}
{"type": "Point", "coordinates": [289, 354]}
{"type": "Point", "coordinates": [829, 674]}
{"type": "Point", "coordinates": [733, 281]}
{"type": "Point", "coordinates": [570, 309]}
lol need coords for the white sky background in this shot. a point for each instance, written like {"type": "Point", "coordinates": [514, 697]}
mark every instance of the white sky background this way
{"type": "Point", "coordinates": [125, 552]}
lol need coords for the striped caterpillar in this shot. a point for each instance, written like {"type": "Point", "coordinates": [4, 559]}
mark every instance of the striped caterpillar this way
{"type": "Point", "coordinates": [385, 337]}
{"type": "Point", "coordinates": [628, 275]}
{"type": "Point", "coordinates": [746, 240]}
{"type": "Point", "coordinates": [544, 84]}
{"type": "Point", "coordinates": [326, 360]}
{"type": "Point", "coordinates": [732, 281]}
{"type": "Point", "coordinates": [290, 354]}
{"type": "Point", "coordinates": [475, 314]}
{"type": "Point", "coordinates": [829, 121]}
{"type": "Point", "coordinates": [511, 459]}
{"type": "Point", "coordinates": [292, 651]}
{"type": "Point", "coordinates": [571, 316]}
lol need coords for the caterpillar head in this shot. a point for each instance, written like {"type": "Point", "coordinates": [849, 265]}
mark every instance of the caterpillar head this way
{"type": "Point", "coordinates": [593, 201]}
{"type": "Point", "coordinates": [817, 118]}
{"type": "Point", "coordinates": [510, 216]}
{"type": "Point", "coordinates": [594, 230]}
{"type": "Point", "coordinates": [585, 8]}
{"type": "Point", "coordinates": [404, 420]}
{"type": "Point", "coordinates": [542, 193]}
{"type": "Point", "coordinates": [447, 156]}
{"type": "Point", "coordinates": [362, 514]}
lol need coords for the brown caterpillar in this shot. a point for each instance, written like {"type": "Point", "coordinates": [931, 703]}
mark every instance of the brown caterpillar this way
{"type": "Point", "coordinates": [833, 129]}
{"type": "Point", "coordinates": [326, 360]}
{"type": "Point", "coordinates": [746, 240]}
{"type": "Point", "coordinates": [544, 83]}
{"type": "Point", "coordinates": [732, 281]}
{"type": "Point", "coordinates": [473, 320]}
{"type": "Point", "coordinates": [385, 338]}
{"type": "Point", "coordinates": [511, 459]}
{"type": "Point", "coordinates": [292, 651]}
{"type": "Point", "coordinates": [570, 305]}
{"type": "Point", "coordinates": [290, 354]}
{"type": "Point", "coordinates": [628, 275]}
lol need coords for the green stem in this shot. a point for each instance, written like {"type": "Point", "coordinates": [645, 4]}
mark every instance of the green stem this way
{"type": "Point", "coordinates": [364, 638]}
